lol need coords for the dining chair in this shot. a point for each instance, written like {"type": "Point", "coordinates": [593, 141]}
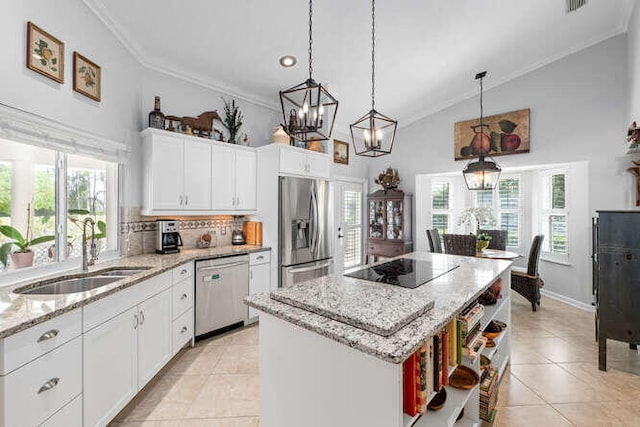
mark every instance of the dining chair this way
{"type": "Point", "coordinates": [528, 282]}
{"type": "Point", "coordinates": [434, 241]}
{"type": "Point", "coordinates": [459, 244]}
{"type": "Point", "coordinates": [498, 239]}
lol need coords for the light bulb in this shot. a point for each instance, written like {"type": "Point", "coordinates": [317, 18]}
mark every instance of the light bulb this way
{"type": "Point", "coordinates": [367, 135]}
{"type": "Point", "coordinates": [305, 108]}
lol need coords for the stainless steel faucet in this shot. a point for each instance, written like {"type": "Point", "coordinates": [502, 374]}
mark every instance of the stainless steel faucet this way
{"type": "Point", "coordinates": [94, 250]}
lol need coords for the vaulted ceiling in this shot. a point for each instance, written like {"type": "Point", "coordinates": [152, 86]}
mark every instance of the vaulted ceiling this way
{"type": "Point", "coordinates": [427, 51]}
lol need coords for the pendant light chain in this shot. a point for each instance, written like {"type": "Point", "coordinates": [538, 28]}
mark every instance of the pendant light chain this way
{"type": "Point", "coordinates": [310, 38]}
{"type": "Point", "coordinates": [373, 54]}
{"type": "Point", "coordinates": [481, 109]}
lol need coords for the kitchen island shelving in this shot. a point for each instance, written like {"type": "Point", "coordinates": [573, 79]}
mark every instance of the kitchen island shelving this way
{"type": "Point", "coordinates": [317, 371]}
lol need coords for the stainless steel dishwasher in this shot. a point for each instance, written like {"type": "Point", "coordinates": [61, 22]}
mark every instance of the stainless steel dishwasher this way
{"type": "Point", "coordinates": [221, 284]}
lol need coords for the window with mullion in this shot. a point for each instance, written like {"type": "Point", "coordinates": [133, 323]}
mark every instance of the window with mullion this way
{"type": "Point", "coordinates": [441, 206]}
{"type": "Point", "coordinates": [509, 208]}
{"type": "Point", "coordinates": [555, 216]}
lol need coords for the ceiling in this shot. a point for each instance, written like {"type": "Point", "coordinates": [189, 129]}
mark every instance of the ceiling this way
{"type": "Point", "coordinates": [427, 51]}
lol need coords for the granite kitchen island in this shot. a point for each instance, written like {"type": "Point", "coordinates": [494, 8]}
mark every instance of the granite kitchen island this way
{"type": "Point", "coordinates": [331, 349]}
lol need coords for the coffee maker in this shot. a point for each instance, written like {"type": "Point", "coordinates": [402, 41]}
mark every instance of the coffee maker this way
{"type": "Point", "coordinates": [168, 240]}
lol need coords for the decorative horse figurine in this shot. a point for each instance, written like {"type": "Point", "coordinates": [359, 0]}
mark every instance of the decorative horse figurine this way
{"type": "Point", "coordinates": [202, 124]}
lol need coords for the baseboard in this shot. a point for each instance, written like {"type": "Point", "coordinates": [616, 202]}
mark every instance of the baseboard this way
{"type": "Point", "coordinates": [567, 300]}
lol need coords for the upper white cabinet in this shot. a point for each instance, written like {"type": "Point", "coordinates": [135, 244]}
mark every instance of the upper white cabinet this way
{"type": "Point", "coordinates": [297, 161]}
{"type": "Point", "coordinates": [234, 178]}
{"type": "Point", "coordinates": [186, 175]}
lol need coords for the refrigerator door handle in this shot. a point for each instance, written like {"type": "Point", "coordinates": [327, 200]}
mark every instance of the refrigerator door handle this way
{"type": "Point", "coordinates": [315, 267]}
{"type": "Point", "coordinates": [313, 225]}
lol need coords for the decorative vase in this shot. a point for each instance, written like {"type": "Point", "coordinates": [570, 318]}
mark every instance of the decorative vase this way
{"type": "Point", "coordinates": [481, 245]}
{"type": "Point", "coordinates": [279, 136]}
{"type": "Point", "coordinates": [22, 259]}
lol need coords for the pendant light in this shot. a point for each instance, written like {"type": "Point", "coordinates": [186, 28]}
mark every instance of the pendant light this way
{"type": "Point", "coordinates": [374, 133]}
{"type": "Point", "coordinates": [308, 109]}
{"type": "Point", "coordinates": [482, 174]}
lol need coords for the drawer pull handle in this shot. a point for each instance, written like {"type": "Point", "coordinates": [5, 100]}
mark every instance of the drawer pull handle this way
{"type": "Point", "coordinates": [183, 271]}
{"type": "Point", "coordinates": [141, 317]}
{"type": "Point", "coordinates": [260, 257]}
{"type": "Point", "coordinates": [184, 329]}
{"type": "Point", "coordinates": [49, 385]}
{"type": "Point", "coordinates": [136, 322]}
{"type": "Point", "coordinates": [48, 335]}
{"type": "Point", "coordinates": [183, 296]}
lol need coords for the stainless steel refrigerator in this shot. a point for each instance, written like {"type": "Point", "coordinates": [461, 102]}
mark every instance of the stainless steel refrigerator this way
{"type": "Point", "coordinates": [306, 224]}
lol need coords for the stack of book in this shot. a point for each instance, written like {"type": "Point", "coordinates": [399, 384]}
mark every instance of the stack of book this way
{"type": "Point", "coordinates": [415, 381]}
{"type": "Point", "coordinates": [488, 394]}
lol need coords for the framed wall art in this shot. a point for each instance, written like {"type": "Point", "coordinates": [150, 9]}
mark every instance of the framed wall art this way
{"type": "Point", "coordinates": [45, 53]}
{"type": "Point", "coordinates": [87, 77]}
{"type": "Point", "coordinates": [502, 134]}
{"type": "Point", "coordinates": [340, 152]}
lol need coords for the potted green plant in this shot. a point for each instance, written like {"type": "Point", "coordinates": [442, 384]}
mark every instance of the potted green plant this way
{"type": "Point", "coordinates": [232, 119]}
{"type": "Point", "coordinates": [23, 256]}
{"type": "Point", "coordinates": [482, 241]}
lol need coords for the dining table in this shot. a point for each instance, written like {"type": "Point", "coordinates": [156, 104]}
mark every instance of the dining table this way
{"type": "Point", "coordinates": [497, 254]}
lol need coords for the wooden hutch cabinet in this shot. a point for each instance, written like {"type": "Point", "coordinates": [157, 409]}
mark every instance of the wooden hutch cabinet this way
{"type": "Point", "coordinates": [389, 224]}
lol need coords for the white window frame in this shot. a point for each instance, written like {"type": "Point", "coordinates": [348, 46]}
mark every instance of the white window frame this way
{"type": "Point", "coordinates": [547, 210]}
{"type": "Point", "coordinates": [450, 210]}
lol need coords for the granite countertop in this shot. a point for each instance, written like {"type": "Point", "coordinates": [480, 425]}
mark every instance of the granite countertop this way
{"type": "Point", "coordinates": [450, 294]}
{"type": "Point", "coordinates": [19, 311]}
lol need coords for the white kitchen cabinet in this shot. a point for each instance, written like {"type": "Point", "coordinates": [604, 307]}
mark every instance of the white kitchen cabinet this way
{"type": "Point", "coordinates": [177, 174]}
{"type": "Point", "coordinates": [259, 276]}
{"type": "Point", "coordinates": [69, 416]}
{"type": "Point", "coordinates": [298, 161]}
{"type": "Point", "coordinates": [110, 367]}
{"type": "Point", "coordinates": [154, 336]}
{"type": "Point", "coordinates": [233, 178]}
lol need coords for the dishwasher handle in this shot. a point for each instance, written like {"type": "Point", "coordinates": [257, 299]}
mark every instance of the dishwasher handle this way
{"type": "Point", "coordinates": [219, 266]}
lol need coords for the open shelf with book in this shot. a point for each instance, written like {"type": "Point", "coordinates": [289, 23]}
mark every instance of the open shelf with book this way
{"type": "Point", "coordinates": [466, 329]}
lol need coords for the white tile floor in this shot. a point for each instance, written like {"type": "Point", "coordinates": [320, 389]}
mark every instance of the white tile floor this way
{"type": "Point", "coordinates": [553, 379]}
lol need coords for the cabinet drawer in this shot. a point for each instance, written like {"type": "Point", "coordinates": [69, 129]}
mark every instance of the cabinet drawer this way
{"type": "Point", "coordinates": [98, 312]}
{"type": "Point", "coordinates": [182, 272]}
{"type": "Point", "coordinates": [182, 297]}
{"type": "Point", "coordinates": [182, 330]}
{"type": "Point", "coordinates": [36, 391]}
{"type": "Point", "coordinates": [69, 416]}
{"type": "Point", "coordinates": [23, 347]}
{"type": "Point", "coordinates": [257, 258]}
{"type": "Point", "coordinates": [385, 249]}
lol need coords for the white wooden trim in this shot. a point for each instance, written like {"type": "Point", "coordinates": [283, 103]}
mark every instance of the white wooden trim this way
{"type": "Point", "coordinates": [21, 126]}
{"type": "Point", "coordinates": [567, 300]}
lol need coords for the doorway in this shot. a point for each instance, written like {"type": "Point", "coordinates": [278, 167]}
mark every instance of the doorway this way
{"type": "Point", "coordinates": [349, 240]}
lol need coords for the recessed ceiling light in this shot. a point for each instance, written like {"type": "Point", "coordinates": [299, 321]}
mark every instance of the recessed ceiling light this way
{"type": "Point", "coordinates": [288, 61]}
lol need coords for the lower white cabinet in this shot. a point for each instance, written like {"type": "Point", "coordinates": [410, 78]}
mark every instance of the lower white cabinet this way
{"type": "Point", "coordinates": [182, 330]}
{"type": "Point", "coordinates": [110, 367]}
{"type": "Point", "coordinates": [259, 276]}
{"type": "Point", "coordinates": [40, 388]}
{"type": "Point", "coordinates": [123, 354]}
{"type": "Point", "coordinates": [154, 336]}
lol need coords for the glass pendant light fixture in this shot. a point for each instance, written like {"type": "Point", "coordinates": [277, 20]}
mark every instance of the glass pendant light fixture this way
{"type": "Point", "coordinates": [308, 109]}
{"type": "Point", "coordinates": [373, 134]}
{"type": "Point", "coordinates": [481, 174]}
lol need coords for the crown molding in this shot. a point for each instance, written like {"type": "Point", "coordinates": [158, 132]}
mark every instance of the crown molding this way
{"type": "Point", "coordinates": [625, 15]}
{"type": "Point", "coordinates": [98, 8]}
{"type": "Point", "coordinates": [512, 76]}
{"type": "Point", "coordinates": [22, 126]}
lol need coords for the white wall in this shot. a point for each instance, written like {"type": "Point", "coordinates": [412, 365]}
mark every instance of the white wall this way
{"type": "Point", "coordinates": [578, 113]}
{"type": "Point", "coordinates": [633, 37]}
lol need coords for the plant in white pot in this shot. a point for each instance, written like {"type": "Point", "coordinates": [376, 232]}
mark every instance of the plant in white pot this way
{"type": "Point", "coordinates": [23, 255]}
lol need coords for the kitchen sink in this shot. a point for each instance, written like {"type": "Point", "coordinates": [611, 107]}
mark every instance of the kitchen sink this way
{"type": "Point", "coordinates": [70, 286]}
{"type": "Point", "coordinates": [84, 282]}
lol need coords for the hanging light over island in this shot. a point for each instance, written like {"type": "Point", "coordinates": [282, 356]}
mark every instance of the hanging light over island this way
{"type": "Point", "coordinates": [374, 133]}
{"type": "Point", "coordinates": [308, 109]}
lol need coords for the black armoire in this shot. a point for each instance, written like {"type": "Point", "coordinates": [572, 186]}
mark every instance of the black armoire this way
{"type": "Point", "coordinates": [616, 279]}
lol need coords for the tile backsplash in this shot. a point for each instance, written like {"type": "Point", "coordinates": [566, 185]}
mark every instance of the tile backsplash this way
{"type": "Point", "coordinates": [138, 233]}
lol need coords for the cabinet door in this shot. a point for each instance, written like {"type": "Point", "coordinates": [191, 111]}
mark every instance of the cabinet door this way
{"type": "Point", "coordinates": [166, 173]}
{"type": "Point", "coordinates": [318, 165]}
{"type": "Point", "coordinates": [259, 282]}
{"type": "Point", "coordinates": [246, 180]}
{"type": "Point", "coordinates": [197, 175]}
{"type": "Point", "coordinates": [293, 161]}
{"type": "Point", "coordinates": [110, 367]}
{"type": "Point", "coordinates": [154, 336]}
{"type": "Point", "coordinates": [222, 178]}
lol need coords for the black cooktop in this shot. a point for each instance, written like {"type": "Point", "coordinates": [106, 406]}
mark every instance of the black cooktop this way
{"type": "Point", "coordinates": [405, 272]}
